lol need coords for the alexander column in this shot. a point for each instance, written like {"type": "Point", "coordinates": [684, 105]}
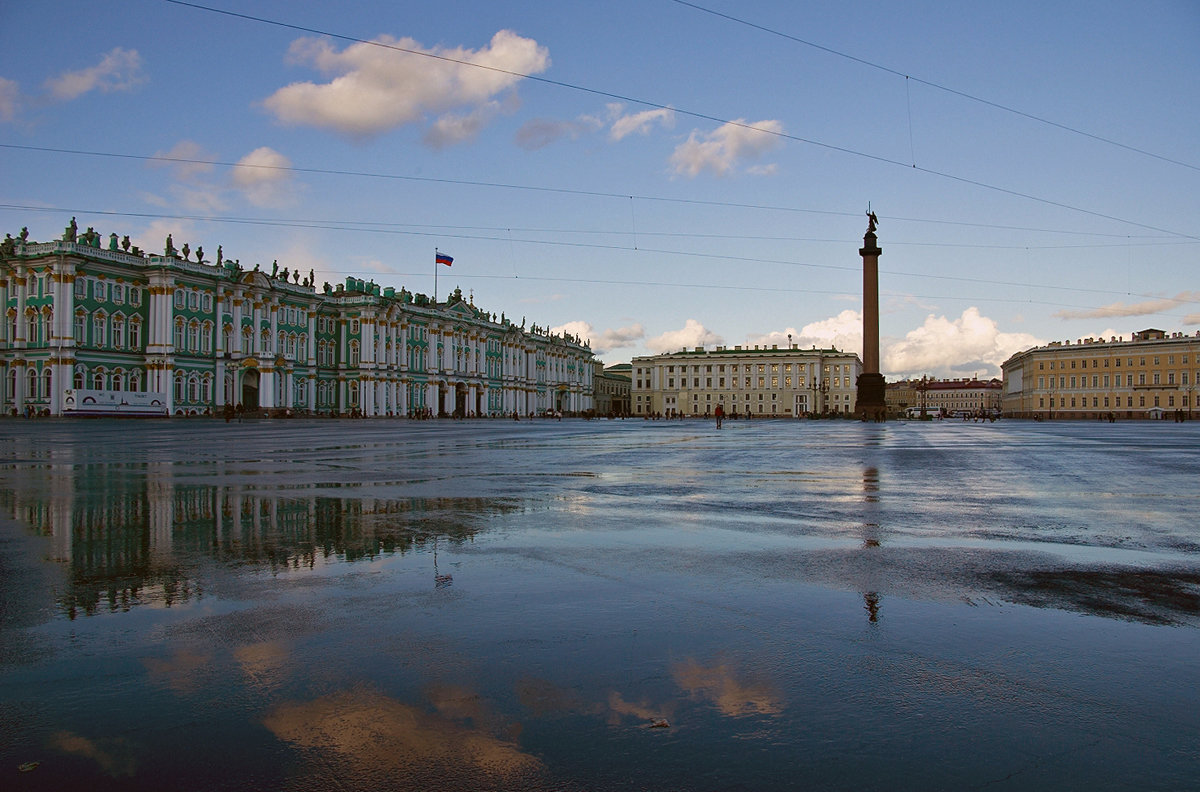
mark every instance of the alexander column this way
{"type": "Point", "coordinates": [871, 403]}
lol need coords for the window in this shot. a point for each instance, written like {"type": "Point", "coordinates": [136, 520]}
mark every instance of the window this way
{"type": "Point", "coordinates": [179, 335]}
{"type": "Point", "coordinates": [118, 293]}
{"type": "Point", "coordinates": [135, 333]}
{"type": "Point", "coordinates": [99, 337]}
{"type": "Point", "coordinates": [179, 298]}
{"type": "Point", "coordinates": [135, 295]}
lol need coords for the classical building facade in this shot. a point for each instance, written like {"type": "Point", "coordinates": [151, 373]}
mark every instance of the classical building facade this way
{"type": "Point", "coordinates": [612, 389]}
{"type": "Point", "coordinates": [765, 382]}
{"type": "Point", "coordinates": [200, 335]}
{"type": "Point", "coordinates": [945, 396]}
{"type": "Point", "coordinates": [1149, 375]}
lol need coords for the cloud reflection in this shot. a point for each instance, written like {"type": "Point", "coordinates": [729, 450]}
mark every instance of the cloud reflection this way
{"type": "Point", "coordinates": [396, 740]}
{"type": "Point", "coordinates": [114, 756]}
{"type": "Point", "coordinates": [721, 685]}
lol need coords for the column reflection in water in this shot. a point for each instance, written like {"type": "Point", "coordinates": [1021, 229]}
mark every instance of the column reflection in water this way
{"type": "Point", "coordinates": [871, 542]}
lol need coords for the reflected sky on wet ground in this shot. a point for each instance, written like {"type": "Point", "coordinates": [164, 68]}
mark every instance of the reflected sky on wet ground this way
{"type": "Point", "coordinates": [599, 605]}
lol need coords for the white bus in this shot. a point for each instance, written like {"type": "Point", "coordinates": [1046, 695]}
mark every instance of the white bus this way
{"type": "Point", "coordinates": [119, 403]}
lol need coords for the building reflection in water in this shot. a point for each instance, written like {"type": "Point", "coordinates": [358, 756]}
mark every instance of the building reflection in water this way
{"type": "Point", "coordinates": [130, 533]}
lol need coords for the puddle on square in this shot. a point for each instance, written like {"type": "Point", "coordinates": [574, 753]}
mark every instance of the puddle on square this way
{"type": "Point", "coordinates": [598, 605]}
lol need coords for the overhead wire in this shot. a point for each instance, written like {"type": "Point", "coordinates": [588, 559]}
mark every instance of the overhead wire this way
{"type": "Point", "coordinates": [938, 86]}
{"type": "Point", "coordinates": [683, 111]}
{"type": "Point", "coordinates": [505, 235]}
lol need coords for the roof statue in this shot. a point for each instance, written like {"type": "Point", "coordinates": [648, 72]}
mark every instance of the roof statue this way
{"type": "Point", "coordinates": [872, 222]}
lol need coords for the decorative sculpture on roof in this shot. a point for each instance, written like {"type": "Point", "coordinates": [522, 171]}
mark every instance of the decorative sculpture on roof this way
{"type": "Point", "coordinates": [169, 249]}
{"type": "Point", "coordinates": [200, 254]}
{"type": "Point", "coordinates": [187, 251]}
{"type": "Point", "coordinates": [24, 235]}
{"type": "Point", "coordinates": [112, 242]}
{"type": "Point", "coordinates": [71, 230]}
{"type": "Point", "coordinates": [220, 256]}
{"type": "Point", "coordinates": [125, 243]}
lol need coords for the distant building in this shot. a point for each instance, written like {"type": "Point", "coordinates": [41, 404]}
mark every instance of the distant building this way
{"type": "Point", "coordinates": [119, 329]}
{"type": "Point", "coordinates": [612, 388]}
{"type": "Point", "coordinates": [765, 382]}
{"type": "Point", "coordinates": [1148, 375]}
{"type": "Point", "coordinates": [945, 396]}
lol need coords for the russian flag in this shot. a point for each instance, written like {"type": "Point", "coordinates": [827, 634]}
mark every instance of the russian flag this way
{"type": "Point", "coordinates": [442, 258]}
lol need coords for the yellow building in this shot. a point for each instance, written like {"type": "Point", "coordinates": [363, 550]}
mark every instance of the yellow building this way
{"type": "Point", "coordinates": [1150, 375]}
{"type": "Point", "coordinates": [762, 382]}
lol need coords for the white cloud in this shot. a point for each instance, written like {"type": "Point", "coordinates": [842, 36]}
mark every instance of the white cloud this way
{"type": "Point", "coordinates": [187, 157]}
{"type": "Point", "coordinates": [118, 70]}
{"type": "Point", "coordinates": [606, 341]}
{"type": "Point", "coordinates": [842, 332]}
{"type": "Point", "coordinates": [638, 123]}
{"type": "Point", "coordinates": [1132, 309]}
{"type": "Point", "coordinates": [692, 334]}
{"type": "Point", "coordinates": [541, 132]}
{"type": "Point", "coordinates": [10, 100]}
{"type": "Point", "coordinates": [374, 87]}
{"type": "Point", "coordinates": [264, 178]}
{"type": "Point", "coordinates": [970, 344]}
{"type": "Point", "coordinates": [723, 150]}
{"type": "Point", "coordinates": [453, 128]}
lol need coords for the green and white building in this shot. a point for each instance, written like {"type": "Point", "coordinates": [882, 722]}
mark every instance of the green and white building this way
{"type": "Point", "coordinates": [115, 325]}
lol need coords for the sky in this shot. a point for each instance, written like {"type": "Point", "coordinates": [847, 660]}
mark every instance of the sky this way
{"type": "Point", "coordinates": [651, 175]}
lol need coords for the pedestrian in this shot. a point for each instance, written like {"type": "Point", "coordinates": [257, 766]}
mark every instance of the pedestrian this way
{"type": "Point", "coordinates": [720, 413]}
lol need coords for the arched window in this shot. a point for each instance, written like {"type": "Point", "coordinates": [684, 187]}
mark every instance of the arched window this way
{"type": "Point", "coordinates": [118, 380]}
{"type": "Point", "coordinates": [194, 336]}
{"type": "Point", "coordinates": [179, 329]}
{"type": "Point", "coordinates": [206, 388]}
{"type": "Point", "coordinates": [353, 389]}
{"type": "Point", "coordinates": [33, 326]}
{"type": "Point", "coordinates": [118, 331]}
{"type": "Point", "coordinates": [179, 385]}
{"type": "Point", "coordinates": [206, 338]}
{"type": "Point", "coordinates": [77, 379]}
{"type": "Point", "coordinates": [98, 379]}
{"type": "Point", "coordinates": [193, 391]}
{"type": "Point", "coordinates": [32, 392]}
{"type": "Point", "coordinates": [80, 328]}
{"type": "Point", "coordinates": [354, 355]}
{"type": "Point", "coordinates": [135, 333]}
{"type": "Point", "coordinates": [135, 380]}
{"type": "Point", "coordinates": [246, 335]}
{"type": "Point", "coordinates": [265, 341]}
{"type": "Point", "coordinates": [226, 337]}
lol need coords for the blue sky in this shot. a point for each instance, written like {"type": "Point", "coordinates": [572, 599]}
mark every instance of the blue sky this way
{"type": "Point", "coordinates": [652, 175]}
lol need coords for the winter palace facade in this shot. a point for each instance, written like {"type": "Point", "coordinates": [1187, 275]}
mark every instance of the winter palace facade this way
{"type": "Point", "coordinates": [114, 327]}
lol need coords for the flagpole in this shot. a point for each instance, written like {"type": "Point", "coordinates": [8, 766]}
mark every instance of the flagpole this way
{"type": "Point", "coordinates": [435, 266]}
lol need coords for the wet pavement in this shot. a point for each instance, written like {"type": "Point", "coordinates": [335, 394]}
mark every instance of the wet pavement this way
{"type": "Point", "coordinates": [599, 605]}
